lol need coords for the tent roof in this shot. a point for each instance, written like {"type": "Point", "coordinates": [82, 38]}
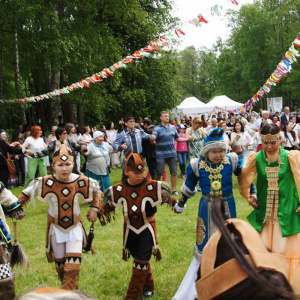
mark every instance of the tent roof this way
{"type": "Point", "coordinates": [190, 102]}
{"type": "Point", "coordinates": [223, 102]}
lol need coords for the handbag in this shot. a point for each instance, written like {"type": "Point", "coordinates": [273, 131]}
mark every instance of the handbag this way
{"type": "Point", "coordinates": [10, 165]}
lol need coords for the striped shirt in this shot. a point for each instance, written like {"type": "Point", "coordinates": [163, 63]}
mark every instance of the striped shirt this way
{"type": "Point", "coordinates": [165, 140]}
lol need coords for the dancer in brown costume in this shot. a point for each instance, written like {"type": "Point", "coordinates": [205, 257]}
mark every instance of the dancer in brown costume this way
{"type": "Point", "coordinates": [65, 232]}
{"type": "Point", "coordinates": [139, 197]}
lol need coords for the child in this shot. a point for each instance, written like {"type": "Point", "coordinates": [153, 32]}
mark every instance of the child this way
{"type": "Point", "coordinates": [182, 151]}
{"type": "Point", "coordinates": [65, 232]}
{"type": "Point", "coordinates": [139, 197]}
{"type": "Point", "coordinates": [10, 206]}
{"type": "Point", "coordinates": [214, 173]}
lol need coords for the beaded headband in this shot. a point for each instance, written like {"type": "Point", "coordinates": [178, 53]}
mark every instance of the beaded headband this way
{"type": "Point", "coordinates": [271, 137]}
{"type": "Point", "coordinates": [259, 257]}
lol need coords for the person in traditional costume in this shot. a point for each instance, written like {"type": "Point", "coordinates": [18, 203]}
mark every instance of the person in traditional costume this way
{"type": "Point", "coordinates": [236, 264]}
{"type": "Point", "coordinates": [9, 206]}
{"type": "Point", "coordinates": [214, 173]}
{"type": "Point", "coordinates": [140, 198]}
{"type": "Point", "coordinates": [66, 236]}
{"type": "Point", "coordinates": [277, 212]}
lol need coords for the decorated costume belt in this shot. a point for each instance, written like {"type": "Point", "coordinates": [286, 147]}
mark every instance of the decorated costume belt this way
{"type": "Point", "coordinates": [210, 198]}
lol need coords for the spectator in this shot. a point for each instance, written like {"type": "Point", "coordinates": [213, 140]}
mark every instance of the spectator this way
{"type": "Point", "coordinates": [73, 137]}
{"type": "Point", "coordinates": [298, 116]}
{"type": "Point", "coordinates": [223, 125]}
{"type": "Point", "coordinates": [86, 136]}
{"type": "Point", "coordinates": [4, 150]}
{"type": "Point", "coordinates": [210, 128]}
{"type": "Point", "coordinates": [149, 149]}
{"type": "Point", "coordinates": [242, 139]}
{"type": "Point", "coordinates": [182, 151]}
{"type": "Point", "coordinates": [130, 139]}
{"type": "Point", "coordinates": [198, 135]}
{"type": "Point", "coordinates": [220, 116]}
{"type": "Point", "coordinates": [289, 138]}
{"type": "Point", "coordinates": [296, 127]}
{"type": "Point", "coordinates": [264, 117]}
{"type": "Point", "coordinates": [165, 135]}
{"type": "Point", "coordinates": [203, 119]}
{"type": "Point", "coordinates": [52, 136]}
{"type": "Point", "coordinates": [285, 117]}
{"type": "Point", "coordinates": [275, 120]}
{"type": "Point", "coordinates": [19, 158]}
{"type": "Point", "coordinates": [36, 144]}
{"type": "Point", "coordinates": [111, 134]}
{"type": "Point", "coordinates": [231, 122]}
{"type": "Point", "coordinates": [98, 160]}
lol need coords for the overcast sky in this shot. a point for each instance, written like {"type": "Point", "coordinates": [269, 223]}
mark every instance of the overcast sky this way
{"type": "Point", "coordinates": [207, 34]}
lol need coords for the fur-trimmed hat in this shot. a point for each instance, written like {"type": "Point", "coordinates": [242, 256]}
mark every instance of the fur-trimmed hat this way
{"type": "Point", "coordinates": [63, 155]}
{"type": "Point", "coordinates": [214, 141]}
{"type": "Point", "coordinates": [134, 162]}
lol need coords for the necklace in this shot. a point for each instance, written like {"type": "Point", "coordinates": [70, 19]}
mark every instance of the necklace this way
{"type": "Point", "coordinates": [272, 190]}
{"type": "Point", "coordinates": [215, 175]}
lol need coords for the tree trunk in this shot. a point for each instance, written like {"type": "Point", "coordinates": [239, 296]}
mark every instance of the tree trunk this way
{"type": "Point", "coordinates": [17, 80]}
{"type": "Point", "coordinates": [1, 90]}
{"type": "Point", "coordinates": [79, 115]}
{"type": "Point", "coordinates": [68, 110]}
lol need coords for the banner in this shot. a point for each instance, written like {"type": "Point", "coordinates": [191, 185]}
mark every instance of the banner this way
{"type": "Point", "coordinates": [275, 104]}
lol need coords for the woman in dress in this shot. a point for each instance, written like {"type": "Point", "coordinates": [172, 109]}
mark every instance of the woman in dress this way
{"type": "Point", "coordinates": [241, 138]}
{"type": "Point", "coordinates": [277, 209]}
{"type": "Point", "coordinates": [198, 135]}
{"type": "Point", "coordinates": [111, 135]}
{"type": "Point", "coordinates": [98, 160]}
{"type": "Point", "coordinates": [19, 159]}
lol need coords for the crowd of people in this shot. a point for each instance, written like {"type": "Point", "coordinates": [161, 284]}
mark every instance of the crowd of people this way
{"type": "Point", "coordinates": [249, 146]}
{"type": "Point", "coordinates": [178, 142]}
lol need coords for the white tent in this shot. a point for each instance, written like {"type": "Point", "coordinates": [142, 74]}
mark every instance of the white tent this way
{"type": "Point", "coordinates": [223, 102]}
{"type": "Point", "coordinates": [191, 106]}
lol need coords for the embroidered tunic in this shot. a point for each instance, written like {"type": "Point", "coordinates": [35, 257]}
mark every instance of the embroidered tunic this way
{"type": "Point", "coordinates": [64, 216]}
{"type": "Point", "coordinates": [139, 206]}
{"type": "Point", "coordinates": [198, 171]}
{"type": "Point", "coordinates": [284, 202]}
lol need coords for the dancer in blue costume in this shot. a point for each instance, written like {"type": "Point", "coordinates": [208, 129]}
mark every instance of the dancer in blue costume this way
{"type": "Point", "coordinates": [214, 173]}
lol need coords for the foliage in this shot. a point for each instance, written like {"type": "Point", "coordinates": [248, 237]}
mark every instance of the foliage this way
{"type": "Point", "coordinates": [70, 40]}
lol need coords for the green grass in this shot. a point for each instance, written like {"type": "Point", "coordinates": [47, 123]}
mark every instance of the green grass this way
{"type": "Point", "coordinates": [105, 275]}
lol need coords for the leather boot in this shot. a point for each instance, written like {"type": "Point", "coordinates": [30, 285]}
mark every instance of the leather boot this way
{"type": "Point", "coordinates": [7, 288]}
{"type": "Point", "coordinates": [136, 285]}
{"type": "Point", "coordinates": [149, 282]}
{"type": "Point", "coordinates": [60, 264]}
{"type": "Point", "coordinates": [71, 271]}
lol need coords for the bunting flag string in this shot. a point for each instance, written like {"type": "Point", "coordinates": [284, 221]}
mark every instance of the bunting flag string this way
{"type": "Point", "coordinates": [283, 68]}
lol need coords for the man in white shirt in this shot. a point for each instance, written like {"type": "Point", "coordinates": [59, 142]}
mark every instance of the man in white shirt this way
{"type": "Point", "coordinates": [264, 117]}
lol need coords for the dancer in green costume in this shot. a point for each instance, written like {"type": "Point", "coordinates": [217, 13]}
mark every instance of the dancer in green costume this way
{"type": "Point", "coordinates": [277, 211]}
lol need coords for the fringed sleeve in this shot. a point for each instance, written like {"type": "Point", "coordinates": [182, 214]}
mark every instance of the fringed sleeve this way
{"type": "Point", "coordinates": [106, 209]}
{"type": "Point", "coordinates": [98, 197]}
{"type": "Point", "coordinates": [294, 159]}
{"type": "Point", "coordinates": [247, 176]}
{"type": "Point", "coordinates": [10, 204]}
{"type": "Point", "coordinates": [166, 195]}
{"type": "Point", "coordinates": [28, 194]}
